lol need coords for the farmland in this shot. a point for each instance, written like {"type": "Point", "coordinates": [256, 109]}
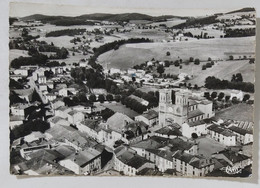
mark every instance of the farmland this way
{"type": "Point", "coordinates": [221, 70]}
{"type": "Point", "coordinates": [131, 54]}
{"type": "Point", "coordinates": [245, 112]}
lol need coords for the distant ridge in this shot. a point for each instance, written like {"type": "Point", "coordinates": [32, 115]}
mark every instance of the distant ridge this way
{"type": "Point", "coordinates": [248, 9]}
{"type": "Point", "coordinates": [101, 17]}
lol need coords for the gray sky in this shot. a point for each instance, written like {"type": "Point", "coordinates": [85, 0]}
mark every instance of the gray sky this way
{"type": "Point", "coordinates": [25, 9]}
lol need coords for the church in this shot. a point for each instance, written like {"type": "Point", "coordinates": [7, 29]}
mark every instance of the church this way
{"type": "Point", "coordinates": [182, 106]}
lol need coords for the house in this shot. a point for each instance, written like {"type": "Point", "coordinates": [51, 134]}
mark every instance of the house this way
{"type": "Point", "coordinates": [56, 120]}
{"type": "Point", "coordinates": [25, 94]}
{"type": "Point", "coordinates": [34, 136]}
{"type": "Point", "coordinates": [238, 94]}
{"type": "Point", "coordinates": [18, 109]}
{"type": "Point", "coordinates": [83, 109]}
{"type": "Point", "coordinates": [56, 103]}
{"type": "Point", "coordinates": [150, 117]}
{"type": "Point", "coordinates": [84, 162]}
{"type": "Point", "coordinates": [222, 135]}
{"type": "Point", "coordinates": [28, 148]}
{"type": "Point", "coordinates": [42, 87]}
{"type": "Point", "coordinates": [62, 111]}
{"type": "Point", "coordinates": [58, 132]}
{"type": "Point", "coordinates": [42, 79]}
{"type": "Point", "coordinates": [118, 121]}
{"type": "Point", "coordinates": [50, 96]}
{"type": "Point", "coordinates": [168, 132]}
{"type": "Point", "coordinates": [114, 71]}
{"type": "Point", "coordinates": [135, 132]}
{"type": "Point", "coordinates": [233, 158]}
{"type": "Point", "coordinates": [196, 128]}
{"type": "Point", "coordinates": [129, 162]}
{"type": "Point", "coordinates": [63, 92]}
{"type": "Point", "coordinates": [15, 121]}
{"type": "Point", "coordinates": [78, 141]}
{"type": "Point", "coordinates": [91, 127]}
{"type": "Point", "coordinates": [21, 71]}
{"type": "Point", "coordinates": [75, 116]}
{"type": "Point", "coordinates": [243, 136]}
{"type": "Point", "coordinates": [192, 165]}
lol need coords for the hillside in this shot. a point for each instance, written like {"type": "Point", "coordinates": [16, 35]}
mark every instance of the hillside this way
{"type": "Point", "coordinates": [249, 9]}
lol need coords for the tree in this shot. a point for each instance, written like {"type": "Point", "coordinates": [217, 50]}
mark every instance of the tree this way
{"type": "Point", "coordinates": [92, 98]}
{"type": "Point", "coordinates": [204, 67]}
{"type": "Point", "coordinates": [239, 77]}
{"type": "Point", "coordinates": [246, 97]}
{"type": "Point", "coordinates": [191, 59]}
{"type": "Point", "coordinates": [227, 97]}
{"type": "Point", "coordinates": [110, 97]}
{"type": "Point", "coordinates": [197, 61]}
{"type": "Point", "coordinates": [168, 53]}
{"type": "Point", "coordinates": [213, 95]}
{"type": "Point", "coordinates": [196, 86]}
{"type": "Point", "coordinates": [220, 96]}
{"type": "Point", "coordinates": [101, 98]}
{"type": "Point", "coordinates": [235, 100]}
{"type": "Point", "coordinates": [231, 57]}
{"type": "Point", "coordinates": [209, 59]}
{"type": "Point", "coordinates": [160, 69]}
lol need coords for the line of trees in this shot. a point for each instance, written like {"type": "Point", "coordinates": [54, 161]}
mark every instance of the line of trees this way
{"type": "Point", "coordinates": [214, 83]}
{"type": "Point", "coordinates": [150, 97]}
{"type": "Point", "coordinates": [64, 32]}
{"type": "Point", "coordinates": [133, 104]}
{"type": "Point", "coordinates": [240, 32]}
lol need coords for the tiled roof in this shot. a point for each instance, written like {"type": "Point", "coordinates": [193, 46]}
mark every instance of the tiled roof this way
{"type": "Point", "coordinates": [194, 113]}
{"type": "Point", "coordinates": [240, 130]}
{"type": "Point", "coordinates": [196, 123]}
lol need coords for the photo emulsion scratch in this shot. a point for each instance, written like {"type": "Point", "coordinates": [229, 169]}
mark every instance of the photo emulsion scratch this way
{"type": "Point", "coordinates": [131, 93]}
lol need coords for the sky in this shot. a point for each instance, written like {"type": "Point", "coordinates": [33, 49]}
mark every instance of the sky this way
{"type": "Point", "coordinates": [19, 9]}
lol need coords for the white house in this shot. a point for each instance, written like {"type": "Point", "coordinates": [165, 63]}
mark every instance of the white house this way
{"type": "Point", "coordinates": [222, 135]}
{"type": "Point", "coordinates": [84, 162]}
{"type": "Point", "coordinates": [150, 118]}
{"type": "Point", "coordinates": [21, 71]}
{"type": "Point", "coordinates": [18, 109]}
{"type": "Point", "coordinates": [243, 136]}
{"type": "Point", "coordinates": [75, 116]}
{"type": "Point", "coordinates": [196, 127]}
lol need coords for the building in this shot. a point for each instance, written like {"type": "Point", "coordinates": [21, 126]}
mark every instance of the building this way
{"type": "Point", "coordinates": [42, 79]}
{"type": "Point", "coordinates": [233, 158]}
{"type": "Point", "coordinates": [194, 129]}
{"type": "Point", "coordinates": [62, 111]}
{"type": "Point", "coordinates": [91, 127]}
{"type": "Point", "coordinates": [128, 162]}
{"type": "Point", "coordinates": [118, 121]}
{"type": "Point", "coordinates": [150, 117]}
{"type": "Point", "coordinates": [21, 71]}
{"type": "Point", "coordinates": [18, 109]}
{"type": "Point", "coordinates": [180, 107]}
{"type": "Point", "coordinates": [192, 165]}
{"type": "Point", "coordinates": [84, 162]}
{"type": "Point", "coordinates": [243, 136]}
{"type": "Point", "coordinates": [75, 116]}
{"type": "Point", "coordinates": [222, 135]}
{"type": "Point", "coordinates": [168, 132]}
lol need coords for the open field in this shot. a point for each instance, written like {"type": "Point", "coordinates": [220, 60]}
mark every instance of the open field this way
{"type": "Point", "coordinates": [14, 53]}
{"type": "Point", "coordinates": [170, 22]}
{"type": "Point", "coordinates": [208, 146]}
{"type": "Point", "coordinates": [131, 54]}
{"type": "Point", "coordinates": [62, 41]}
{"type": "Point", "coordinates": [211, 32]}
{"type": "Point", "coordinates": [239, 112]}
{"type": "Point", "coordinates": [221, 69]}
{"type": "Point", "coordinates": [118, 107]}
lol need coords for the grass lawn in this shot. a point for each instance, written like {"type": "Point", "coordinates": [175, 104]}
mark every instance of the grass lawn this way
{"type": "Point", "coordinates": [208, 146]}
{"type": "Point", "coordinates": [14, 53]}
{"type": "Point", "coordinates": [239, 112]}
{"type": "Point", "coordinates": [118, 107]}
{"type": "Point", "coordinates": [131, 54]}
